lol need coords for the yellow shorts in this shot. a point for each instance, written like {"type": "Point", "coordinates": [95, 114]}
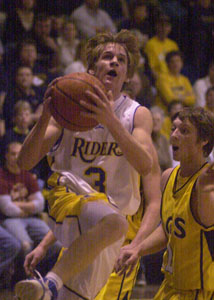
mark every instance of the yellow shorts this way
{"type": "Point", "coordinates": [64, 203]}
{"type": "Point", "coordinates": [118, 287]}
{"type": "Point", "coordinates": [167, 293]}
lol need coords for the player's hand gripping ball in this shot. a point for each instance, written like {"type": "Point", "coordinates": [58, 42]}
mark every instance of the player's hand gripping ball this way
{"type": "Point", "coordinates": [66, 93]}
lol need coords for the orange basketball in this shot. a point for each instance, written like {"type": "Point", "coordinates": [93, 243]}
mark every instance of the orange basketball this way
{"type": "Point", "coordinates": [66, 93]}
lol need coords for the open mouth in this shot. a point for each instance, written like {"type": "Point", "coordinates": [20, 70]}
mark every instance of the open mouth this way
{"type": "Point", "coordinates": [112, 73]}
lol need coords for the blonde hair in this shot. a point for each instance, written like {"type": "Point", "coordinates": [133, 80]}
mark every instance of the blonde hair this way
{"type": "Point", "coordinates": [125, 38]}
{"type": "Point", "coordinates": [20, 106]}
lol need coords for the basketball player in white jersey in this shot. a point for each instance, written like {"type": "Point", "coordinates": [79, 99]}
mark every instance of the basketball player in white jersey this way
{"type": "Point", "coordinates": [95, 180]}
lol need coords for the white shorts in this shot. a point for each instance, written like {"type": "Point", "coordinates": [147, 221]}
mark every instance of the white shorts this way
{"type": "Point", "coordinates": [89, 282]}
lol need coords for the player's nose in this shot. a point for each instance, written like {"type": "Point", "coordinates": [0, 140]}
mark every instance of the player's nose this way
{"type": "Point", "coordinates": [114, 61]}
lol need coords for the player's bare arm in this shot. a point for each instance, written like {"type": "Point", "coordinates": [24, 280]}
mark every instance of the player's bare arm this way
{"type": "Point", "coordinates": [40, 140]}
{"type": "Point", "coordinates": [151, 218]}
{"type": "Point", "coordinates": [152, 198]}
{"type": "Point", "coordinates": [205, 197]}
{"type": "Point", "coordinates": [153, 243]}
{"type": "Point", "coordinates": [135, 147]}
{"type": "Point", "coordinates": [35, 256]}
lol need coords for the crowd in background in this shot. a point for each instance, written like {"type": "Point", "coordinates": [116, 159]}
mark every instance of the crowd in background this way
{"type": "Point", "coordinates": [41, 40]}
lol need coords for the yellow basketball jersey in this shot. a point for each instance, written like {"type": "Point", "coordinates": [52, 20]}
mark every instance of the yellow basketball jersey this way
{"type": "Point", "coordinates": [188, 262]}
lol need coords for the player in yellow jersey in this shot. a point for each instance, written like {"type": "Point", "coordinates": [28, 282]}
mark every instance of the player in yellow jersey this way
{"type": "Point", "coordinates": [187, 213]}
{"type": "Point", "coordinates": [141, 225]}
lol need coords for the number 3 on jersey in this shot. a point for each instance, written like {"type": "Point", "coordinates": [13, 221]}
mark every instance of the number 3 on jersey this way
{"type": "Point", "coordinates": [99, 183]}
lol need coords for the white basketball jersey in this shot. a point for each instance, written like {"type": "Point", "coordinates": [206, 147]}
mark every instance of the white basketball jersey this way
{"type": "Point", "coordinates": [93, 160]}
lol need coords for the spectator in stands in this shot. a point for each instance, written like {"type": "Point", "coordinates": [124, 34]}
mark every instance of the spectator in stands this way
{"type": "Point", "coordinates": [159, 45]}
{"type": "Point", "coordinates": [118, 10]}
{"type": "Point", "coordinates": [68, 43]}
{"type": "Point", "coordinates": [201, 85]}
{"type": "Point", "coordinates": [79, 64]}
{"type": "Point", "coordinates": [3, 89]}
{"type": "Point", "coordinates": [23, 90]}
{"type": "Point", "coordinates": [27, 55]}
{"type": "Point", "coordinates": [20, 203]}
{"type": "Point", "coordinates": [90, 19]}
{"type": "Point", "coordinates": [20, 21]}
{"type": "Point", "coordinates": [22, 120]}
{"type": "Point", "coordinates": [57, 22]}
{"type": "Point", "coordinates": [173, 107]}
{"type": "Point", "coordinates": [159, 140]}
{"type": "Point", "coordinates": [202, 34]}
{"type": "Point", "coordinates": [9, 249]}
{"type": "Point", "coordinates": [57, 6]}
{"type": "Point", "coordinates": [210, 99]}
{"type": "Point", "coordinates": [140, 89]}
{"type": "Point", "coordinates": [138, 21]}
{"type": "Point", "coordinates": [174, 85]}
{"type": "Point", "coordinates": [48, 50]}
{"type": "Point", "coordinates": [210, 106]}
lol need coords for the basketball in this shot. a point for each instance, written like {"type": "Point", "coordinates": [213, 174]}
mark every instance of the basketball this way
{"type": "Point", "coordinates": [66, 92]}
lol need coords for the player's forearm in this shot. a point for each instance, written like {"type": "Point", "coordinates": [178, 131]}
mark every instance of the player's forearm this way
{"type": "Point", "coordinates": [150, 222]}
{"type": "Point", "coordinates": [154, 243]}
{"type": "Point", "coordinates": [47, 241]}
{"type": "Point", "coordinates": [30, 152]}
{"type": "Point", "coordinates": [137, 154]}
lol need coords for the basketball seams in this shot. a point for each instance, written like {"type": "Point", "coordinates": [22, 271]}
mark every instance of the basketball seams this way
{"type": "Point", "coordinates": [61, 116]}
{"type": "Point", "coordinates": [66, 95]}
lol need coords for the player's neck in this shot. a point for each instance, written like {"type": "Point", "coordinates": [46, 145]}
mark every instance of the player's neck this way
{"type": "Point", "coordinates": [188, 169]}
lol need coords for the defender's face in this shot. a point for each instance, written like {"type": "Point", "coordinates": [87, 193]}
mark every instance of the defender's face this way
{"type": "Point", "coordinates": [111, 67]}
{"type": "Point", "coordinates": [184, 140]}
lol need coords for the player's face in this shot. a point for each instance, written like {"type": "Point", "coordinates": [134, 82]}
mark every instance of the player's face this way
{"type": "Point", "coordinates": [111, 67]}
{"type": "Point", "coordinates": [184, 140]}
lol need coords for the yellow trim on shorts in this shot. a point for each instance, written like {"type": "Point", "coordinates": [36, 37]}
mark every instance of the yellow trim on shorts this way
{"type": "Point", "coordinates": [65, 203]}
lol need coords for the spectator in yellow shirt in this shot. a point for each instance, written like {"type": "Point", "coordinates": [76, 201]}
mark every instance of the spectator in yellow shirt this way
{"type": "Point", "coordinates": [159, 45]}
{"type": "Point", "coordinates": [173, 107]}
{"type": "Point", "coordinates": [174, 85]}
